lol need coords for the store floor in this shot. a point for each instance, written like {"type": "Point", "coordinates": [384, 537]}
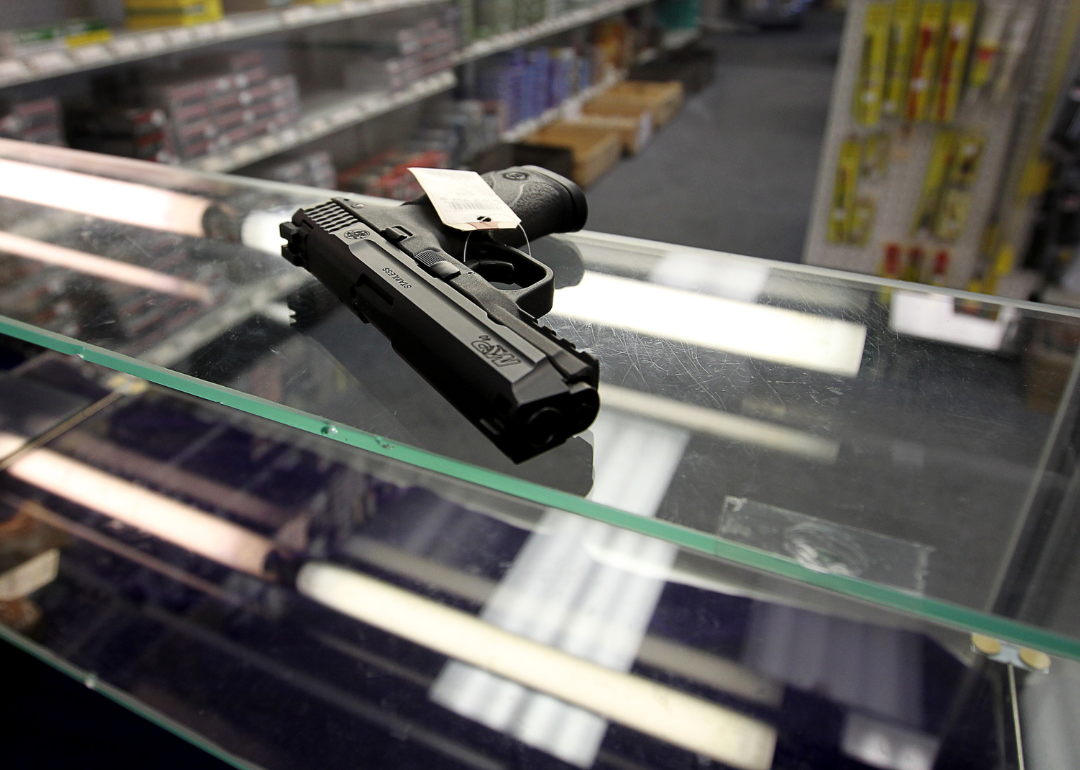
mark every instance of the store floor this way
{"type": "Point", "coordinates": [735, 170]}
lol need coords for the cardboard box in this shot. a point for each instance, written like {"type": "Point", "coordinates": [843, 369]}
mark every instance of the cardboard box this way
{"type": "Point", "coordinates": [634, 131]}
{"type": "Point", "coordinates": [631, 98]}
{"type": "Point", "coordinates": [596, 150]}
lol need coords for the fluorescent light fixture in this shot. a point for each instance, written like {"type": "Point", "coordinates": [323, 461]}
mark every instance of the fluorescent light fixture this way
{"type": "Point", "coordinates": [651, 708]}
{"type": "Point", "coordinates": [934, 317]}
{"type": "Point", "coordinates": [185, 526]}
{"type": "Point", "coordinates": [758, 331]}
{"type": "Point", "coordinates": [721, 424]}
{"type": "Point", "coordinates": [103, 267]}
{"type": "Point", "coordinates": [127, 202]}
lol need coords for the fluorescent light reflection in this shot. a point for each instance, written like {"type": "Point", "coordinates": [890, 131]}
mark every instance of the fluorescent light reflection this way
{"type": "Point", "coordinates": [127, 202]}
{"type": "Point", "coordinates": [557, 593]}
{"type": "Point", "coordinates": [934, 317]}
{"type": "Point", "coordinates": [758, 331]}
{"type": "Point", "coordinates": [723, 425]}
{"type": "Point", "coordinates": [103, 267]}
{"type": "Point", "coordinates": [153, 513]}
{"type": "Point", "coordinates": [651, 708]}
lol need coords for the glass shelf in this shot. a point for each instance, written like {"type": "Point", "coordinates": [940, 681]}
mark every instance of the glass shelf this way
{"type": "Point", "coordinates": [286, 601]}
{"type": "Point", "coordinates": [909, 446]}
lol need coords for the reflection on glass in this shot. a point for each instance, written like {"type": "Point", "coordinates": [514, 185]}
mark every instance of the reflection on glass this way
{"type": "Point", "coordinates": [102, 267]}
{"type": "Point", "coordinates": [557, 592]}
{"type": "Point", "coordinates": [759, 331]}
{"type": "Point", "coordinates": [112, 199]}
{"type": "Point", "coordinates": [937, 317]}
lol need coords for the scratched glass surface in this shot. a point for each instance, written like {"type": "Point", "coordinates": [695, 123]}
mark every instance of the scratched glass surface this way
{"type": "Point", "coordinates": [903, 444]}
{"type": "Point", "coordinates": [285, 601]}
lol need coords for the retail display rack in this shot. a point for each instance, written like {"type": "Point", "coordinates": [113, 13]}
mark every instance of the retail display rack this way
{"type": "Point", "coordinates": [934, 120]}
{"type": "Point", "coordinates": [339, 79]}
{"type": "Point", "coordinates": [333, 115]}
{"type": "Point", "coordinates": [126, 47]}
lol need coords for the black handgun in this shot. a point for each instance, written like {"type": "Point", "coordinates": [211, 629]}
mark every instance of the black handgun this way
{"type": "Point", "coordinates": [462, 308]}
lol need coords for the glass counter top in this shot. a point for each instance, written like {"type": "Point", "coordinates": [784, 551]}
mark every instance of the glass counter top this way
{"type": "Point", "coordinates": [287, 601]}
{"type": "Point", "coordinates": [892, 442]}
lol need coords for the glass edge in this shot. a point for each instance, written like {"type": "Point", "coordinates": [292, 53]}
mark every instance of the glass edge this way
{"type": "Point", "coordinates": [62, 157]}
{"type": "Point", "coordinates": [659, 250]}
{"type": "Point", "coordinates": [121, 698]}
{"type": "Point", "coordinates": [935, 610]}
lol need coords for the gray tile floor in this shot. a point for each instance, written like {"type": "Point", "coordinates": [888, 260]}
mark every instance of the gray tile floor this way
{"type": "Point", "coordinates": [735, 170]}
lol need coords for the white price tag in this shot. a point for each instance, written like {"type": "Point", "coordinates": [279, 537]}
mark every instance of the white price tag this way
{"type": "Point", "coordinates": [464, 201]}
{"type": "Point", "coordinates": [180, 37]}
{"type": "Point", "coordinates": [13, 69]}
{"type": "Point", "coordinates": [50, 61]}
{"type": "Point", "coordinates": [298, 15]}
{"type": "Point", "coordinates": [125, 46]}
{"type": "Point", "coordinates": [90, 54]}
{"type": "Point", "coordinates": [154, 41]}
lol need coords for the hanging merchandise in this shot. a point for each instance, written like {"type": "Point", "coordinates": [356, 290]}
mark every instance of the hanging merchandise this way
{"type": "Point", "coordinates": [991, 30]}
{"type": "Point", "coordinates": [924, 58]}
{"type": "Point", "coordinates": [951, 151]}
{"type": "Point", "coordinates": [862, 221]}
{"type": "Point", "coordinates": [847, 178]}
{"type": "Point", "coordinates": [937, 171]}
{"type": "Point", "coordinates": [875, 156]}
{"type": "Point", "coordinates": [940, 274]}
{"type": "Point", "coordinates": [890, 265]}
{"type": "Point", "coordinates": [1016, 41]}
{"type": "Point", "coordinates": [956, 194]}
{"type": "Point", "coordinates": [913, 270]}
{"type": "Point", "coordinates": [954, 55]}
{"type": "Point", "coordinates": [901, 40]}
{"type": "Point", "coordinates": [868, 94]}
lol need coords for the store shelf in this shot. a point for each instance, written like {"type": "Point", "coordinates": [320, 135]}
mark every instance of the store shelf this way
{"type": "Point", "coordinates": [324, 119]}
{"type": "Point", "coordinates": [134, 46]}
{"type": "Point", "coordinates": [508, 40]}
{"type": "Point", "coordinates": [568, 109]}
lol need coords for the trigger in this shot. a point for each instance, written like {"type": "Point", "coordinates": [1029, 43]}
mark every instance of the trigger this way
{"type": "Point", "coordinates": [494, 269]}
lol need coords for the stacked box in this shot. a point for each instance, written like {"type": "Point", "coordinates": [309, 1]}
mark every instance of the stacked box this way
{"type": "Point", "coordinates": [387, 175]}
{"type": "Point", "coordinates": [236, 103]}
{"type": "Point", "coordinates": [471, 125]}
{"type": "Point", "coordinates": [596, 149]}
{"type": "Point", "coordinates": [37, 121]}
{"type": "Point", "coordinates": [151, 14]}
{"type": "Point", "coordinates": [134, 132]}
{"type": "Point", "coordinates": [526, 82]}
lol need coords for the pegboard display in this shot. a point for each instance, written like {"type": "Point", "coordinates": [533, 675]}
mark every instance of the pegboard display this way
{"type": "Point", "coordinates": [928, 123]}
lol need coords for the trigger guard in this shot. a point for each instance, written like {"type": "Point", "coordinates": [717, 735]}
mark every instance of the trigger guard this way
{"type": "Point", "coordinates": [537, 297]}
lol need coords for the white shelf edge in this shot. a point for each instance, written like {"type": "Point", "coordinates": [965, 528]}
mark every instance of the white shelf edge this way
{"type": "Point", "coordinates": [508, 40]}
{"type": "Point", "coordinates": [321, 122]}
{"type": "Point", "coordinates": [568, 109]}
{"type": "Point", "coordinates": [675, 39]}
{"type": "Point", "coordinates": [127, 47]}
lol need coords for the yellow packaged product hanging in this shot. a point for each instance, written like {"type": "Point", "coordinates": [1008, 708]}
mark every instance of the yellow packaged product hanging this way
{"type": "Point", "coordinates": [901, 41]}
{"type": "Point", "coordinates": [956, 195]}
{"type": "Point", "coordinates": [954, 54]}
{"type": "Point", "coordinates": [937, 173]}
{"type": "Point", "coordinates": [873, 59]}
{"type": "Point", "coordinates": [843, 200]}
{"type": "Point", "coordinates": [991, 30]}
{"type": "Point", "coordinates": [924, 59]}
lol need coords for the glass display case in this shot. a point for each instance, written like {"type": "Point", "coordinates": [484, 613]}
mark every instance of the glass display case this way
{"type": "Point", "coordinates": [822, 520]}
